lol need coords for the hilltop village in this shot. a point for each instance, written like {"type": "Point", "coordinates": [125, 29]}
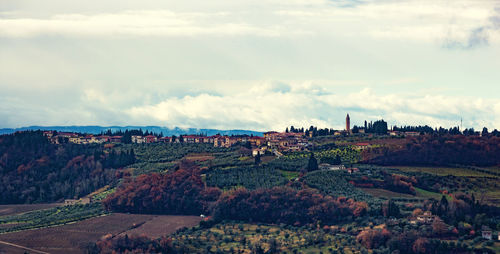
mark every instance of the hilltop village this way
{"type": "Point", "coordinates": [291, 140]}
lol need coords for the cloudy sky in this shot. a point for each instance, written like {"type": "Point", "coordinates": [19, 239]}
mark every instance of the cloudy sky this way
{"type": "Point", "coordinates": [244, 64]}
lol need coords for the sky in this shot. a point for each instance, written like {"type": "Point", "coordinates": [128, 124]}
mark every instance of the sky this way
{"type": "Point", "coordinates": [242, 64]}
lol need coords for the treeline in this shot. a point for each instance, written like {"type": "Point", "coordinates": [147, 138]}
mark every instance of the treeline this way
{"type": "Point", "coordinates": [32, 170]}
{"type": "Point", "coordinates": [439, 151]}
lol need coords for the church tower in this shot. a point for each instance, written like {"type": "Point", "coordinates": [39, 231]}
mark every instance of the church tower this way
{"type": "Point", "coordinates": [348, 124]}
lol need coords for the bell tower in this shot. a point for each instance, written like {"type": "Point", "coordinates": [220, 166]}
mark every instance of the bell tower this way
{"type": "Point", "coordinates": [348, 124]}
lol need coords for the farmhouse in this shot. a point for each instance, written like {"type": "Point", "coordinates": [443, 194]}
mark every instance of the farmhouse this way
{"type": "Point", "coordinates": [426, 218]}
{"type": "Point", "coordinates": [362, 146]}
{"type": "Point", "coordinates": [486, 233]}
{"type": "Point", "coordinates": [326, 166]}
{"type": "Point", "coordinates": [137, 139]}
{"type": "Point", "coordinates": [150, 139]}
{"type": "Point", "coordinates": [82, 201]}
{"type": "Point", "coordinates": [165, 140]}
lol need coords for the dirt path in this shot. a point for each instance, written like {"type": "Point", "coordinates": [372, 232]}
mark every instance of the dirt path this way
{"type": "Point", "coordinates": [22, 247]}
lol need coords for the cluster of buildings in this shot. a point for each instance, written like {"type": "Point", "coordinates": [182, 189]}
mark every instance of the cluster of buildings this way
{"type": "Point", "coordinates": [76, 138]}
{"type": "Point", "coordinates": [216, 140]}
{"type": "Point", "coordinates": [286, 141]}
{"type": "Point", "coordinates": [277, 141]}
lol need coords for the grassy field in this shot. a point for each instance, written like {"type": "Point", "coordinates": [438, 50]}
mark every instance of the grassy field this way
{"type": "Point", "coordinates": [73, 238]}
{"type": "Point", "coordinates": [382, 193]}
{"type": "Point", "coordinates": [199, 157]}
{"type": "Point", "coordinates": [290, 174]}
{"type": "Point", "coordinates": [429, 194]}
{"type": "Point", "coordinates": [444, 171]}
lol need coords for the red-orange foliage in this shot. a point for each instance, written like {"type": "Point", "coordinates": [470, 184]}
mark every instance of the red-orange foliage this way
{"type": "Point", "coordinates": [180, 192]}
{"type": "Point", "coordinates": [372, 238]}
{"type": "Point", "coordinates": [421, 245]}
{"type": "Point", "coordinates": [400, 183]}
{"type": "Point", "coordinates": [285, 205]}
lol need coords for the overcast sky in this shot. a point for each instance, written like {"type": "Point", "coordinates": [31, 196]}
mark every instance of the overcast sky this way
{"type": "Point", "coordinates": [245, 64]}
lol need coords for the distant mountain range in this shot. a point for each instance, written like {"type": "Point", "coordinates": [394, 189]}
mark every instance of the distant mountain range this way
{"type": "Point", "coordinates": [156, 129]}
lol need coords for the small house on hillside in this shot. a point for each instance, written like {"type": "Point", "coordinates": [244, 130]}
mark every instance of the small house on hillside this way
{"type": "Point", "coordinates": [362, 146]}
{"type": "Point", "coordinates": [70, 201]}
{"type": "Point", "coordinates": [486, 233]}
{"type": "Point", "coordinates": [81, 201]}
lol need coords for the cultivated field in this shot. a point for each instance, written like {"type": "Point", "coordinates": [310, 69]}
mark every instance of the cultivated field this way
{"type": "Point", "coordinates": [16, 209]}
{"type": "Point", "coordinates": [199, 157]}
{"type": "Point", "coordinates": [161, 225]}
{"type": "Point", "coordinates": [73, 238]}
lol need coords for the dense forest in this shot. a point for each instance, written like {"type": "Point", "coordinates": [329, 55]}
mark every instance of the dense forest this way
{"type": "Point", "coordinates": [179, 192]}
{"type": "Point", "coordinates": [286, 205]}
{"type": "Point", "coordinates": [439, 150]}
{"type": "Point", "coordinates": [33, 170]}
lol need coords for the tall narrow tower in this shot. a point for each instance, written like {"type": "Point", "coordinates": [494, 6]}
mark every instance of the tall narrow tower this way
{"type": "Point", "coordinates": [348, 124]}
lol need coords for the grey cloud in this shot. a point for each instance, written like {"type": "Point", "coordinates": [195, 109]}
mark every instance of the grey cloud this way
{"type": "Point", "coordinates": [479, 36]}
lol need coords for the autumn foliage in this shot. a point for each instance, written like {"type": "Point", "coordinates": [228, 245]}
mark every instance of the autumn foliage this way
{"type": "Point", "coordinates": [373, 238]}
{"type": "Point", "coordinates": [285, 205]}
{"type": "Point", "coordinates": [180, 192]}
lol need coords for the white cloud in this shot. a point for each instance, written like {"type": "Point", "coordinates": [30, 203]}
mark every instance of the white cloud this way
{"type": "Point", "coordinates": [264, 105]}
{"type": "Point", "coordinates": [131, 23]}
{"type": "Point", "coordinates": [445, 23]}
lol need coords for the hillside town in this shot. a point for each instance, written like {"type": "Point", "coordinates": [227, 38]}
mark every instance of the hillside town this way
{"type": "Point", "coordinates": [295, 140]}
{"type": "Point", "coordinates": [291, 140]}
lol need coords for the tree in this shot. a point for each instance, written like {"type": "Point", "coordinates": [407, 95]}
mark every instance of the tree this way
{"type": "Point", "coordinates": [392, 209]}
{"type": "Point", "coordinates": [338, 160]}
{"type": "Point", "coordinates": [380, 127]}
{"type": "Point", "coordinates": [313, 163]}
{"type": "Point", "coordinates": [257, 158]}
{"type": "Point", "coordinates": [439, 227]}
{"type": "Point", "coordinates": [484, 133]}
{"type": "Point", "coordinates": [355, 129]}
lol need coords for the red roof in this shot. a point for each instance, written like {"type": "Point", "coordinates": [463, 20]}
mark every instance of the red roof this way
{"type": "Point", "coordinates": [257, 137]}
{"type": "Point", "coordinates": [191, 136]}
{"type": "Point", "coordinates": [362, 144]}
